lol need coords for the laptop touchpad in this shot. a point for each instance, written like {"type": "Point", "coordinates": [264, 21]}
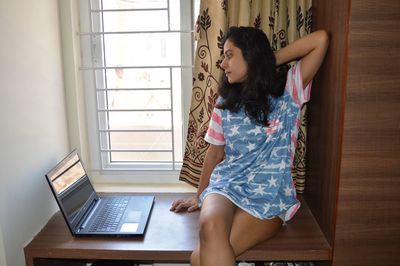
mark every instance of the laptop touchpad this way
{"type": "Point", "coordinates": [131, 222]}
{"type": "Point", "coordinates": [129, 227]}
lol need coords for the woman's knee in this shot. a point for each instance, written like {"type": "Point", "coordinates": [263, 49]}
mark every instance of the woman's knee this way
{"type": "Point", "coordinates": [216, 218]}
{"type": "Point", "coordinates": [213, 226]}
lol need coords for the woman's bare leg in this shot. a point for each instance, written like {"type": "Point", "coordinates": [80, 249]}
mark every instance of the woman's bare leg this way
{"type": "Point", "coordinates": [216, 219]}
{"type": "Point", "coordinates": [217, 216]}
{"type": "Point", "coordinates": [242, 239]}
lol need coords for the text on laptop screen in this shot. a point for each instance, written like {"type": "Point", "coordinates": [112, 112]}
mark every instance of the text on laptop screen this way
{"type": "Point", "coordinates": [71, 184]}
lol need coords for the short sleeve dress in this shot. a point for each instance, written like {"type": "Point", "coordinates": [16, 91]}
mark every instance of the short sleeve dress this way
{"type": "Point", "coordinates": [256, 171]}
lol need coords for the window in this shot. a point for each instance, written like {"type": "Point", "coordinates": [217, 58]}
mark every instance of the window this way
{"type": "Point", "coordinates": [136, 59]}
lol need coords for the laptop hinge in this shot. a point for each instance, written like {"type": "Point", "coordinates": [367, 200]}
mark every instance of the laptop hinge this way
{"type": "Point", "coordinates": [86, 218]}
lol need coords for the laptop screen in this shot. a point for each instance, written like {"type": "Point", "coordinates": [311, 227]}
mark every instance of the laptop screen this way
{"type": "Point", "coordinates": [71, 187]}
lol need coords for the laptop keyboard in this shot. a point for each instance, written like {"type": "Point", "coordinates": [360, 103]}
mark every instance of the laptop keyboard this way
{"type": "Point", "coordinates": [109, 217]}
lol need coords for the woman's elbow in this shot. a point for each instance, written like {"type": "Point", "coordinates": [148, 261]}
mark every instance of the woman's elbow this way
{"type": "Point", "coordinates": [322, 38]}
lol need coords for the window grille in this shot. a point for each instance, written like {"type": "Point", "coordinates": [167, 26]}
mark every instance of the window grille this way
{"type": "Point", "coordinates": [137, 58]}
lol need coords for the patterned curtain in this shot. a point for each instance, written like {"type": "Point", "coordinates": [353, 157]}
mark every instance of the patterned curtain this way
{"type": "Point", "coordinates": [283, 21]}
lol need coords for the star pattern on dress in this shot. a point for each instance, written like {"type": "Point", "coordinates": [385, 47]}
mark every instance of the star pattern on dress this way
{"type": "Point", "coordinates": [228, 117]}
{"type": "Point", "coordinates": [275, 150]}
{"type": "Point", "coordinates": [230, 145]}
{"type": "Point", "coordinates": [288, 191]}
{"type": "Point", "coordinates": [257, 130]}
{"type": "Point", "coordinates": [284, 106]}
{"type": "Point", "coordinates": [266, 207]}
{"type": "Point", "coordinates": [230, 158]}
{"type": "Point", "coordinates": [251, 146]}
{"type": "Point", "coordinates": [282, 205]}
{"type": "Point", "coordinates": [282, 165]}
{"type": "Point", "coordinates": [246, 201]}
{"type": "Point", "coordinates": [234, 131]}
{"type": "Point", "coordinates": [272, 181]}
{"type": "Point", "coordinates": [269, 139]}
{"type": "Point", "coordinates": [284, 136]}
{"type": "Point", "coordinates": [264, 166]}
{"type": "Point", "coordinates": [250, 178]}
{"type": "Point", "coordinates": [260, 190]}
{"type": "Point", "coordinates": [217, 177]}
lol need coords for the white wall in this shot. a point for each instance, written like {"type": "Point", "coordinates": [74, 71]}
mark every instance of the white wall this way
{"type": "Point", "coordinates": [33, 127]}
{"type": "Point", "coordinates": [2, 255]}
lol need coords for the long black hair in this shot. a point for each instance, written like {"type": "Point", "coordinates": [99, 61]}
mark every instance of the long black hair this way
{"type": "Point", "coordinates": [263, 79]}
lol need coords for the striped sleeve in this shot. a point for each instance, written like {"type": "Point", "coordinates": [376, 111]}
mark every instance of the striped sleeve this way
{"type": "Point", "coordinates": [294, 85]}
{"type": "Point", "coordinates": [215, 134]}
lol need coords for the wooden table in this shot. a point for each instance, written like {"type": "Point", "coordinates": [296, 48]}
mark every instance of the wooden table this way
{"type": "Point", "coordinates": [171, 237]}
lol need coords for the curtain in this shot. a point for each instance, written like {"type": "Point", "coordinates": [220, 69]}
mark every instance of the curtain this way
{"type": "Point", "coordinates": [283, 21]}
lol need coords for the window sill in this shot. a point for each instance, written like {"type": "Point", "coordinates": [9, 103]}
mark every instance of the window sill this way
{"type": "Point", "coordinates": [142, 187]}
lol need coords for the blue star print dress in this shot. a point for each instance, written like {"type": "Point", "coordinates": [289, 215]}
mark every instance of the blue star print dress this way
{"type": "Point", "coordinates": [256, 172]}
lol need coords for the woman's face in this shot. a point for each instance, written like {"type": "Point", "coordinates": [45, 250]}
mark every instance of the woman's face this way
{"type": "Point", "coordinates": [234, 65]}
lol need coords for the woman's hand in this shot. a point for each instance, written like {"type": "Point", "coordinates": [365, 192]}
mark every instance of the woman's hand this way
{"type": "Point", "coordinates": [189, 205]}
{"type": "Point", "coordinates": [215, 154]}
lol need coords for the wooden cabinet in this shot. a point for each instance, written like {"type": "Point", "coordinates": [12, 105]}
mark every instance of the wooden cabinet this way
{"type": "Point", "coordinates": [353, 152]}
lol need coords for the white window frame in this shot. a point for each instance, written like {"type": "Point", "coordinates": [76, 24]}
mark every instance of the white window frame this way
{"type": "Point", "coordinates": [81, 106]}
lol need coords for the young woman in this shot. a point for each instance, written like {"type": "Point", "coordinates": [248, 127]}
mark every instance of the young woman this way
{"type": "Point", "coordinates": [246, 190]}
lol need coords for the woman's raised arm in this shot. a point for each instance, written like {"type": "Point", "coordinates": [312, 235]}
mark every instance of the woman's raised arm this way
{"type": "Point", "coordinates": [310, 49]}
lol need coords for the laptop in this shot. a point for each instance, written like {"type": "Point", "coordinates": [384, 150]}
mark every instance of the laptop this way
{"type": "Point", "coordinates": [88, 214]}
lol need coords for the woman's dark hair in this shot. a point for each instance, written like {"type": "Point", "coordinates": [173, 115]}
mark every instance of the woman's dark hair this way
{"type": "Point", "coordinates": [263, 80]}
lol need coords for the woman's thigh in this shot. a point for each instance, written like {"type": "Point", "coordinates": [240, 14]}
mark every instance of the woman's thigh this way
{"type": "Point", "coordinates": [247, 230]}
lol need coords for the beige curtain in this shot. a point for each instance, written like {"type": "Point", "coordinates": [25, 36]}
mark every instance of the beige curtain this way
{"type": "Point", "coordinates": [282, 20]}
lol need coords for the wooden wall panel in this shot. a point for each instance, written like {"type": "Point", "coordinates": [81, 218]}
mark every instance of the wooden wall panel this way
{"type": "Point", "coordinates": [368, 215]}
{"type": "Point", "coordinates": [325, 116]}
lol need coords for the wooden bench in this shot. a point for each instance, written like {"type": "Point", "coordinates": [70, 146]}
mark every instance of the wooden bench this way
{"type": "Point", "coordinates": [171, 237]}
